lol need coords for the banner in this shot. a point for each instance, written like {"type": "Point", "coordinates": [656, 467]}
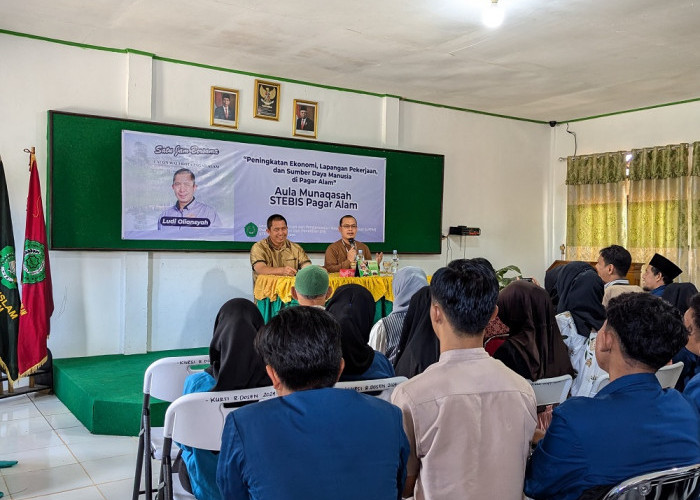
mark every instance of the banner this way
{"type": "Point", "coordinates": [37, 293]}
{"type": "Point", "coordinates": [9, 293]}
{"type": "Point", "coordinates": [188, 188]}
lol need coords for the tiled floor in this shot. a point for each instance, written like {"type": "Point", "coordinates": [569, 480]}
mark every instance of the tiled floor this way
{"type": "Point", "coordinates": [59, 459]}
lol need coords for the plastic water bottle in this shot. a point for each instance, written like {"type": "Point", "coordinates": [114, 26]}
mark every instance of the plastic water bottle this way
{"type": "Point", "coordinates": [394, 262]}
{"type": "Point", "coordinates": [360, 259]}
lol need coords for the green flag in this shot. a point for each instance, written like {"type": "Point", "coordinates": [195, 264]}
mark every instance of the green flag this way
{"type": "Point", "coordinates": [9, 293]}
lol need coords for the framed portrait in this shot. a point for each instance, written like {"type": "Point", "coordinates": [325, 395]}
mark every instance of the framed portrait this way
{"type": "Point", "coordinates": [267, 100]}
{"type": "Point", "coordinates": [224, 107]}
{"type": "Point", "coordinates": [305, 118]}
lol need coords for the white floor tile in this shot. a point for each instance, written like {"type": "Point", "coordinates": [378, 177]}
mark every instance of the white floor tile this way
{"type": "Point", "coordinates": [117, 490]}
{"type": "Point", "coordinates": [12, 443]}
{"type": "Point", "coordinates": [72, 435]}
{"type": "Point", "coordinates": [3, 487]}
{"type": "Point", "coordinates": [30, 425]}
{"type": "Point", "coordinates": [14, 400]}
{"type": "Point", "coordinates": [89, 493]}
{"type": "Point", "coordinates": [47, 481]}
{"type": "Point", "coordinates": [63, 421]}
{"type": "Point", "coordinates": [42, 458]}
{"type": "Point", "coordinates": [51, 407]}
{"type": "Point", "coordinates": [110, 469]}
{"type": "Point", "coordinates": [105, 446]}
{"type": "Point", "coordinates": [19, 412]}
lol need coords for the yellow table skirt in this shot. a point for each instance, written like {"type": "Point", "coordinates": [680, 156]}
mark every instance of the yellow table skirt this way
{"type": "Point", "coordinates": [272, 287]}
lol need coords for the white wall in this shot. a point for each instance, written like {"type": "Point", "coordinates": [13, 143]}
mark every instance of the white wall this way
{"type": "Point", "coordinates": [497, 177]}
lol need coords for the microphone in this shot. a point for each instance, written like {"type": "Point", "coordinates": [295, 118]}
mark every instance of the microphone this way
{"type": "Point", "coordinates": [352, 242]}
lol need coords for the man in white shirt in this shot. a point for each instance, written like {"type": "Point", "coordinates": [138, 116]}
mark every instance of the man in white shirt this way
{"type": "Point", "coordinates": [613, 264]}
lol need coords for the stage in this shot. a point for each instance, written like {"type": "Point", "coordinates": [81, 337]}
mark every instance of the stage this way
{"type": "Point", "coordinates": [106, 392]}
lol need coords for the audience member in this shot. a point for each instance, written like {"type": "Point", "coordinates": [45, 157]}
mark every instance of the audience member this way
{"type": "Point", "coordinates": [313, 441]}
{"type": "Point", "coordinates": [418, 346]}
{"type": "Point", "coordinates": [659, 273]}
{"type": "Point", "coordinates": [353, 307]}
{"type": "Point", "coordinates": [234, 365]}
{"type": "Point", "coordinates": [690, 353]}
{"type": "Point", "coordinates": [534, 348]}
{"type": "Point", "coordinates": [386, 333]}
{"type": "Point", "coordinates": [468, 418]}
{"type": "Point", "coordinates": [311, 287]}
{"type": "Point", "coordinates": [613, 264]}
{"type": "Point", "coordinates": [580, 316]}
{"type": "Point", "coordinates": [632, 426]}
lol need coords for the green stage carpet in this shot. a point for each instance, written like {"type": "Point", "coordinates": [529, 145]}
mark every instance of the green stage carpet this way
{"type": "Point", "coordinates": [106, 392]}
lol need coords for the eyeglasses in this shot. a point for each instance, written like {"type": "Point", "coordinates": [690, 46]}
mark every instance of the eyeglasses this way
{"type": "Point", "coordinates": [349, 226]}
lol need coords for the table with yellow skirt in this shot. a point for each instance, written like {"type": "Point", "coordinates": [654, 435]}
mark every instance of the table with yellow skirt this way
{"type": "Point", "coordinates": [272, 293]}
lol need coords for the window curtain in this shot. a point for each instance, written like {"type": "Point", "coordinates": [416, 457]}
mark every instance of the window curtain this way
{"type": "Point", "coordinates": [657, 212]}
{"type": "Point", "coordinates": [694, 197]}
{"type": "Point", "coordinates": [595, 211]}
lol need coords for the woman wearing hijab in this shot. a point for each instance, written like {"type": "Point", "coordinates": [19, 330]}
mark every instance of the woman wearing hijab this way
{"type": "Point", "coordinates": [386, 332]}
{"type": "Point", "coordinates": [419, 346]}
{"type": "Point", "coordinates": [580, 316]}
{"type": "Point", "coordinates": [353, 307]}
{"type": "Point", "coordinates": [234, 364]}
{"type": "Point", "coordinates": [534, 348]}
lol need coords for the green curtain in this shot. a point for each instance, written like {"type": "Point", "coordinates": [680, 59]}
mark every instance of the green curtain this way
{"type": "Point", "coordinates": [694, 202]}
{"type": "Point", "coordinates": [657, 212]}
{"type": "Point", "coordinates": [595, 209]}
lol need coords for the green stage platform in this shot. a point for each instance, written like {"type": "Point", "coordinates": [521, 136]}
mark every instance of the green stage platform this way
{"type": "Point", "coordinates": [106, 392]}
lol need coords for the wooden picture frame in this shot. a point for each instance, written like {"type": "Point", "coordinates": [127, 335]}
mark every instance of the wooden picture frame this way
{"type": "Point", "coordinates": [224, 114]}
{"type": "Point", "coordinates": [305, 121]}
{"type": "Point", "coordinates": [267, 100]}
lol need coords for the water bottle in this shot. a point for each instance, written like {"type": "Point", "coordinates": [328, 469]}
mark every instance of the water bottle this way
{"type": "Point", "coordinates": [394, 262]}
{"type": "Point", "coordinates": [360, 259]}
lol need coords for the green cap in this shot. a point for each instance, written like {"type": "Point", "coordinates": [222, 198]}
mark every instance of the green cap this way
{"type": "Point", "coordinates": [311, 281]}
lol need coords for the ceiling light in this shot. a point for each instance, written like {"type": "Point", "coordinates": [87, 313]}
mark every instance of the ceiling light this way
{"type": "Point", "coordinates": [492, 15]}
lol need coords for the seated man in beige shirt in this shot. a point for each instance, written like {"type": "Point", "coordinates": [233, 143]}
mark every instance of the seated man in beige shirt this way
{"type": "Point", "coordinates": [613, 264]}
{"type": "Point", "coordinates": [340, 254]}
{"type": "Point", "coordinates": [469, 419]}
{"type": "Point", "coordinates": [276, 254]}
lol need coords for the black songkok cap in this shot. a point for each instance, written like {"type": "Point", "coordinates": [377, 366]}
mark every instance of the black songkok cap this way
{"type": "Point", "coordinates": [668, 268]}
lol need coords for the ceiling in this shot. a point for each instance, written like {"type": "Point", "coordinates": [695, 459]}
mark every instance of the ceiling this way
{"type": "Point", "coordinates": [550, 59]}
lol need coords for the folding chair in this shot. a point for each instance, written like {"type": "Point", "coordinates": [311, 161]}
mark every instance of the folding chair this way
{"type": "Point", "coordinates": [668, 375]}
{"type": "Point", "coordinates": [382, 388]}
{"type": "Point", "coordinates": [679, 483]}
{"type": "Point", "coordinates": [549, 391]}
{"type": "Point", "coordinates": [164, 379]}
{"type": "Point", "coordinates": [197, 420]}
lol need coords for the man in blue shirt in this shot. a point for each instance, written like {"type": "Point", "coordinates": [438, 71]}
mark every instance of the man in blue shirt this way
{"type": "Point", "coordinates": [659, 273]}
{"type": "Point", "coordinates": [631, 426]}
{"type": "Point", "coordinates": [313, 441]}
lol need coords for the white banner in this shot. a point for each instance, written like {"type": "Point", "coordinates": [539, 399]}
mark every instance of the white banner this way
{"type": "Point", "coordinates": [185, 188]}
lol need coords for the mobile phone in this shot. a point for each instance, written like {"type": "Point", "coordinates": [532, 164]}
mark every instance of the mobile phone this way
{"type": "Point", "coordinates": [526, 279]}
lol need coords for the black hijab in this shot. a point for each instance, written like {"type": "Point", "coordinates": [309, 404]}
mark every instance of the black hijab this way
{"type": "Point", "coordinates": [550, 282]}
{"type": "Point", "coordinates": [580, 292]}
{"type": "Point", "coordinates": [419, 347]}
{"type": "Point", "coordinates": [534, 348]}
{"type": "Point", "coordinates": [353, 307]}
{"type": "Point", "coordinates": [234, 362]}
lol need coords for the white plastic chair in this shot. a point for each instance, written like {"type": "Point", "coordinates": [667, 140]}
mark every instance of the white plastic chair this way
{"type": "Point", "coordinates": [197, 420]}
{"type": "Point", "coordinates": [600, 382]}
{"type": "Point", "coordinates": [383, 387]}
{"type": "Point", "coordinates": [164, 379]}
{"type": "Point", "coordinates": [668, 375]}
{"type": "Point", "coordinates": [679, 483]}
{"type": "Point", "coordinates": [549, 391]}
